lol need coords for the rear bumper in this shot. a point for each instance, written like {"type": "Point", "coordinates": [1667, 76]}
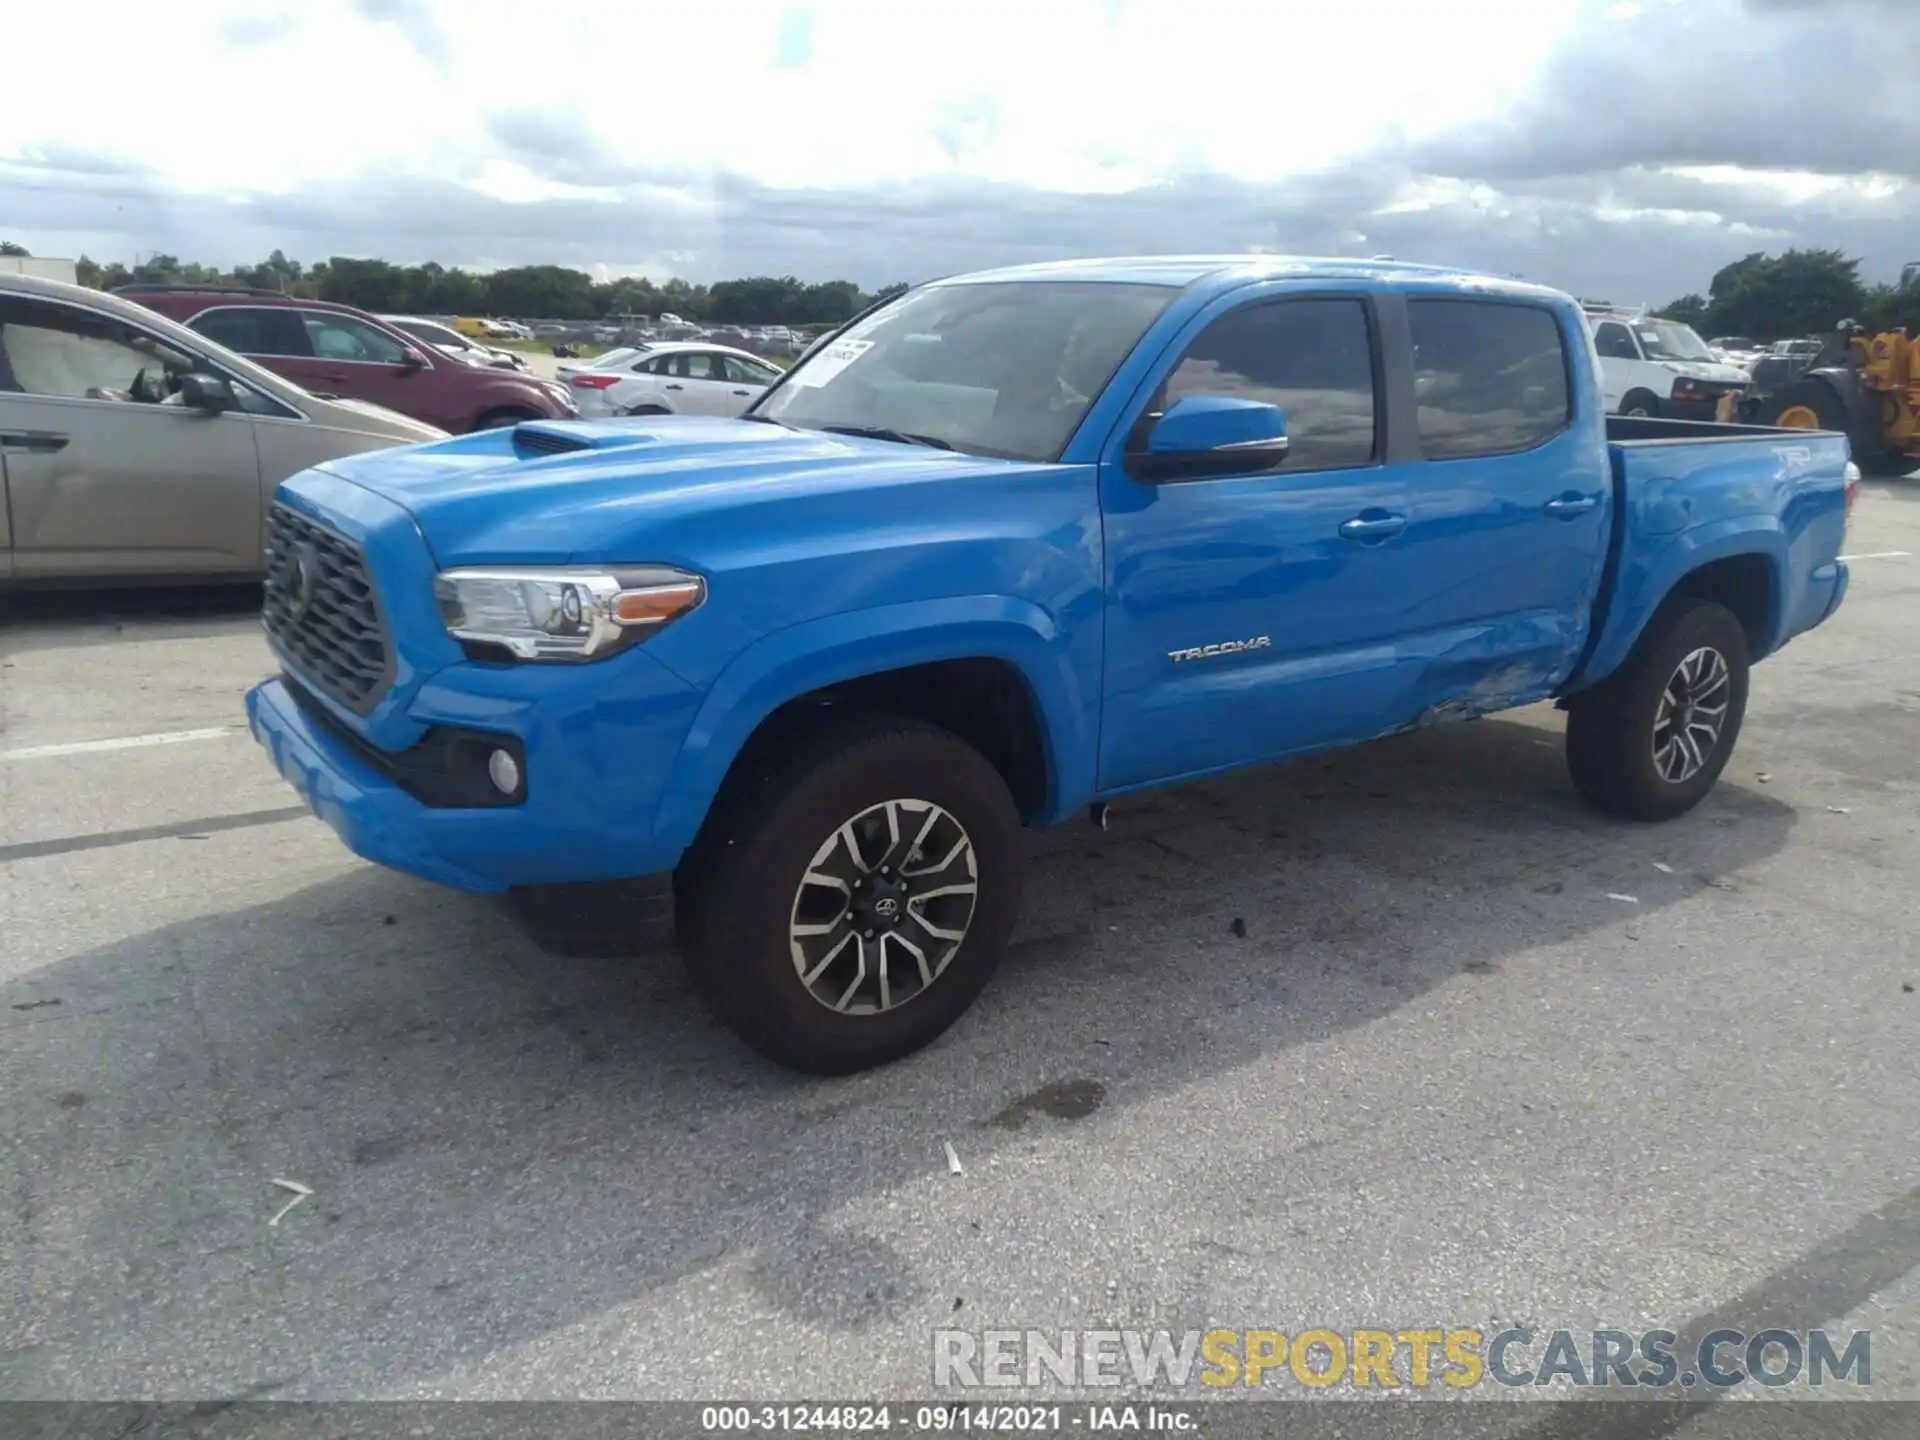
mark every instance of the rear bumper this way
{"type": "Point", "coordinates": [1842, 576]}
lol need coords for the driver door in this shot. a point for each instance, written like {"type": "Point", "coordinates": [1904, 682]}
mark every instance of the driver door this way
{"type": "Point", "coordinates": [1255, 616]}
{"type": "Point", "coordinates": [101, 482]}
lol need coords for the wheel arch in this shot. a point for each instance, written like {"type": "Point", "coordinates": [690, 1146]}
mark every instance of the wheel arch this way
{"type": "Point", "coordinates": [936, 660]}
{"type": "Point", "coordinates": [1740, 563]}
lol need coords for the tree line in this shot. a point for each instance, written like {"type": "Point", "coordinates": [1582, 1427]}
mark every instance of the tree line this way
{"type": "Point", "coordinates": [1801, 292]}
{"type": "Point", "coordinates": [1767, 297]}
{"type": "Point", "coordinates": [541, 292]}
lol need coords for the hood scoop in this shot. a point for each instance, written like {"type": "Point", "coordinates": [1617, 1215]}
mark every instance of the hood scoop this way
{"type": "Point", "coordinates": [531, 439]}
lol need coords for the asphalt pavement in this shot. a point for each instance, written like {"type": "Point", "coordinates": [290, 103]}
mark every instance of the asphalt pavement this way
{"type": "Point", "coordinates": [1402, 1036]}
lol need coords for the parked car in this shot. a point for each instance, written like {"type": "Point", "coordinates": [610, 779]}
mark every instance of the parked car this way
{"type": "Point", "coordinates": [1652, 367]}
{"type": "Point", "coordinates": [1785, 361]}
{"type": "Point", "coordinates": [607, 360]}
{"type": "Point", "coordinates": [1014, 545]}
{"type": "Point", "coordinates": [337, 350]}
{"type": "Point", "coordinates": [134, 449]}
{"type": "Point", "coordinates": [1738, 350]}
{"type": "Point", "coordinates": [449, 341]}
{"type": "Point", "coordinates": [673, 379]}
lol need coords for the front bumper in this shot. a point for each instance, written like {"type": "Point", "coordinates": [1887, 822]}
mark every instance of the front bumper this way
{"type": "Point", "coordinates": [599, 742]}
{"type": "Point", "coordinates": [1722, 407]}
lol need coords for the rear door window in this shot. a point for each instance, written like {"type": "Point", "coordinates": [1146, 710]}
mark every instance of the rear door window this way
{"type": "Point", "coordinates": [1490, 377]}
{"type": "Point", "coordinates": [255, 330]}
{"type": "Point", "coordinates": [1615, 342]}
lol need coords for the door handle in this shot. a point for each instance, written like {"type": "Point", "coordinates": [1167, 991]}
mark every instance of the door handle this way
{"type": "Point", "coordinates": [1373, 527]}
{"type": "Point", "coordinates": [36, 442]}
{"type": "Point", "coordinates": [1567, 507]}
{"type": "Point", "coordinates": [743, 392]}
{"type": "Point", "coordinates": [673, 387]}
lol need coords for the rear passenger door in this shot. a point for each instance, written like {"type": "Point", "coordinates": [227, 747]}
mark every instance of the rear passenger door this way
{"type": "Point", "coordinates": [1511, 507]}
{"type": "Point", "coordinates": [699, 384]}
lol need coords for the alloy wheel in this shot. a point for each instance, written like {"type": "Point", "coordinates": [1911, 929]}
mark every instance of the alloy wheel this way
{"type": "Point", "coordinates": [883, 907]}
{"type": "Point", "coordinates": [1691, 714]}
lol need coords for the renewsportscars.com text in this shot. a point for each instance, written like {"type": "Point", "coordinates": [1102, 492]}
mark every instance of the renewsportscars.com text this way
{"type": "Point", "coordinates": [1417, 1359]}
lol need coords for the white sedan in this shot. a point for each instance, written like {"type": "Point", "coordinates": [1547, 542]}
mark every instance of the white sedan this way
{"type": "Point", "coordinates": [672, 379]}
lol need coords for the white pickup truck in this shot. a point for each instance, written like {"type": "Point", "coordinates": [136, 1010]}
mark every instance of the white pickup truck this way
{"type": "Point", "coordinates": [1660, 368]}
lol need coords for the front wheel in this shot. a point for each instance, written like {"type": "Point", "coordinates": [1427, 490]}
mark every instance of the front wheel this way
{"type": "Point", "coordinates": [851, 892]}
{"type": "Point", "coordinates": [1641, 405]}
{"type": "Point", "coordinates": [1649, 742]}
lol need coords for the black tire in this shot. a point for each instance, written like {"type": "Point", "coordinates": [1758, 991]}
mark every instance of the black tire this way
{"type": "Point", "coordinates": [1640, 403]}
{"type": "Point", "coordinates": [738, 889]}
{"type": "Point", "coordinates": [646, 410]}
{"type": "Point", "coordinates": [504, 416]}
{"type": "Point", "coordinates": [1612, 730]}
{"type": "Point", "coordinates": [1816, 396]}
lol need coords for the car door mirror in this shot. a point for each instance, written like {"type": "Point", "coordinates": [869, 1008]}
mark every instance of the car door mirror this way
{"type": "Point", "coordinates": [412, 359]}
{"type": "Point", "coordinates": [1207, 435]}
{"type": "Point", "coordinates": [208, 393]}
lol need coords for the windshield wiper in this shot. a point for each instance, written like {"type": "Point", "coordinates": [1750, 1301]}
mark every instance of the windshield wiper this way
{"type": "Point", "coordinates": [881, 432]}
{"type": "Point", "coordinates": [764, 420]}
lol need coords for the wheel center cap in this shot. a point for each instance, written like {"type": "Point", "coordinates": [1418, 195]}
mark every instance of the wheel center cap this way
{"type": "Point", "coordinates": [884, 904]}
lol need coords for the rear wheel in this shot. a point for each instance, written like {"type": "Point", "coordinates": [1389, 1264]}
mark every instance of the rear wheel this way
{"type": "Point", "coordinates": [647, 410]}
{"type": "Point", "coordinates": [1641, 404]}
{"type": "Point", "coordinates": [1649, 743]}
{"type": "Point", "coordinates": [852, 892]}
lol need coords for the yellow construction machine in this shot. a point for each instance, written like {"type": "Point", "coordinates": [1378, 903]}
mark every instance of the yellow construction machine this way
{"type": "Point", "coordinates": [1865, 385]}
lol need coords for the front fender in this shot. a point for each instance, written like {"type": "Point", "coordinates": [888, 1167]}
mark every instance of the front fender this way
{"type": "Point", "coordinates": [847, 646]}
{"type": "Point", "coordinates": [1649, 574]}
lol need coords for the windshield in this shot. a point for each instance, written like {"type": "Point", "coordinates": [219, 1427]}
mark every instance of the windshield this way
{"type": "Point", "coordinates": [1005, 369]}
{"type": "Point", "coordinates": [615, 357]}
{"type": "Point", "coordinates": [1665, 340]}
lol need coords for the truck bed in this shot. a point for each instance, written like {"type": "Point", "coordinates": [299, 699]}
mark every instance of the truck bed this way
{"type": "Point", "coordinates": [1640, 430]}
{"type": "Point", "coordinates": [1688, 493]}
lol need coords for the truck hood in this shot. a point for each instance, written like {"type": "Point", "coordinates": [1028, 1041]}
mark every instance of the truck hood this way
{"type": "Point", "coordinates": [622, 491]}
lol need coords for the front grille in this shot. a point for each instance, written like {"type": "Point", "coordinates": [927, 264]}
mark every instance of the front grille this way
{"type": "Point", "coordinates": [321, 611]}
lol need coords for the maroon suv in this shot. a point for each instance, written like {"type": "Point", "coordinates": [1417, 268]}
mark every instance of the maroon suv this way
{"type": "Point", "coordinates": [337, 350]}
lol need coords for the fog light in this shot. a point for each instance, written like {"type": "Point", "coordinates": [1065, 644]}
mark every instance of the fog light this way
{"type": "Point", "coordinates": [504, 771]}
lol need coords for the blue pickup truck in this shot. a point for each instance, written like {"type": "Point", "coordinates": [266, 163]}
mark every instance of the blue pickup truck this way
{"type": "Point", "coordinates": [1001, 550]}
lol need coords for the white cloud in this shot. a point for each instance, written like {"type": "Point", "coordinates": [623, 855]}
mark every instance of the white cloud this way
{"type": "Point", "coordinates": [885, 139]}
{"type": "Point", "coordinates": [1070, 95]}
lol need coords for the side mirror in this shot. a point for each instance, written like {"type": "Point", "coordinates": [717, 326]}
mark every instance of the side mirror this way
{"type": "Point", "coordinates": [208, 393]}
{"type": "Point", "coordinates": [412, 359]}
{"type": "Point", "coordinates": [1203, 436]}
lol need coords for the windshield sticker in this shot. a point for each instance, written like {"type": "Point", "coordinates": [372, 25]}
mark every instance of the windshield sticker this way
{"type": "Point", "coordinates": [830, 362]}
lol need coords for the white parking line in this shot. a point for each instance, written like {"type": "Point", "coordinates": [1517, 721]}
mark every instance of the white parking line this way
{"type": "Point", "coordinates": [129, 742]}
{"type": "Point", "coordinates": [1882, 555]}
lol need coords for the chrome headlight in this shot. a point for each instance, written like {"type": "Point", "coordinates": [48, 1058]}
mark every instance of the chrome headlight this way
{"type": "Point", "coordinates": [565, 613]}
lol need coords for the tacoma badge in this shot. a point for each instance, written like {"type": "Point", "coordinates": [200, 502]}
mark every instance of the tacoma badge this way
{"type": "Point", "coordinates": [1225, 647]}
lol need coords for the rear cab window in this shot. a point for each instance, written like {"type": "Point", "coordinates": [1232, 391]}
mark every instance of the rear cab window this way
{"type": "Point", "coordinates": [1490, 376]}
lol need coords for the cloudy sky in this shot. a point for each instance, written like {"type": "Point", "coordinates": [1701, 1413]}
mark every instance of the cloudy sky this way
{"type": "Point", "coordinates": [1624, 148]}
